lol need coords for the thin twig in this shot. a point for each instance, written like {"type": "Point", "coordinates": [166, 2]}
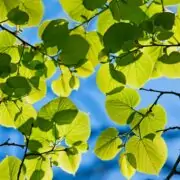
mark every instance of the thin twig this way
{"type": "Point", "coordinates": [88, 20]}
{"type": "Point", "coordinates": [174, 171]}
{"type": "Point", "coordinates": [25, 152]}
{"type": "Point", "coordinates": [44, 153]}
{"type": "Point", "coordinates": [169, 129]}
{"type": "Point", "coordinates": [159, 91]}
{"type": "Point", "coordinates": [7, 143]}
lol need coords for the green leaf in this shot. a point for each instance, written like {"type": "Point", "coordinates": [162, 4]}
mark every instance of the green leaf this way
{"type": "Point", "coordinates": [60, 110]}
{"type": "Point", "coordinates": [173, 58]}
{"type": "Point", "coordinates": [6, 6]}
{"type": "Point", "coordinates": [50, 30]}
{"type": "Point", "coordinates": [25, 117]}
{"type": "Point", "coordinates": [37, 93]}
{"type": "Point", "coordinates": [118, 34]}
{"type": "Point", "coordinates": [71, 53]}
{"type": "Point", "coordinates": [76, 10]}
{"type": "Point", "coordinates": [5, 68]}
{"type": "Point", "coordinates": [74, 82]}
{"type": "Point", "coordinates": [16, 86]}
{"type": "Point", "coordinates": [7, 45]}
{"type": "Point", "coordinates": [169, 2]}
{"type": "Point", "coordinates": [68, 160]}
{"type": "Point", "coordinates": [8, 113]}
{"type": "Point", "coordinates": [168, 65]}
{"type": "Point", "coordinates": [51, 68]}
{"type": "Point", "coordinates": [42, 141]}
{"type": "Point", "coordinates": [105, 20]}
{"type": "Point", "coordinates": [95, 47]}
{"type": "Point", "coordinates": [176, 28]}
{"type": "Point", "coordinates": [126, 168]}
{"type": "Point", "coordinates": [123, 11]}
{"type": "Point", "coordinates": [34, 9]}
{"type": "Point", "coordinates": [38, 167]}
{"type": "Point", "coordinates": [18, 17]}
{"type": "Point", "coordinates": [9, 168]}
{"type": "Point", "coordinates": [150, 155]}
{"type": "Point", "coordinates": [137, 67]}
{"type": "Point", "coordinates": [61, 86]}
{"type": "Point", "coordinates": [107, 144]}
{"type": "Point", "coordinates": [120, 105]}
{"type": "Point", "coordinates": [164, 20]}
{"type": "Point", "coordinates": [81, 146]}
{"type": "Point", "coordinates": [104, 80]}
{"type": "Point", "coordinates": [154, 121]}
{"type": "Point", "coordinates": [92, 5]}
{"type": "Point", "coordinates": [117, 75]}
{"type": "Point", "coordinates": [164, 35]}
{"type": "Point", "coordinates": [85, 70]}
{"type": "Point", "coordinates": [78, 130]}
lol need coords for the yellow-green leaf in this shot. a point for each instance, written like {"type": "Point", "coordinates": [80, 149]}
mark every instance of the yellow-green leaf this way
{"type": "Point", "coordinates": [150, 155]}
{"type": "Point", "coordinates": [105, 81]}
{"type": "Point", "coordinates": [155, 120]}
{"type": "Point", "coordinates": [120, 105]}
{"type": "Point", "coordinates": [126, 168]}
{"type": "Point", "coordinates": [76, 10]}
{"type": "Point", "coordinates": [108, 144]}
{"type": "Point", "coordinates": [78, 130]}
{"type": "Point", "coordinates": [9, 168]}
{"type": "Point", "coordinates": [69, 161]}
{"type": "Point", "coordinates": [38, 167]}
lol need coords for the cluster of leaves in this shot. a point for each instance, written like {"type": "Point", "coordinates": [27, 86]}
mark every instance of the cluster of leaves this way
{"type": "Point", "coordinates": [135, 41]}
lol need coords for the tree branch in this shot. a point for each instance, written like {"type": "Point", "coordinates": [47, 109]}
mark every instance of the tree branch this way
{"type": "Point", "coordinates": [43, 153]}
{"type": "Point", "coordinates": [174, 171]}
{"type": "Point", "coordinates": [162, 92]}
{"type": "Point", "coordinates": [88, 20]}
{"type": "Point", "coordinates": [6, 143]}
{"type": "Point", "coordinates": [25, 152]}
{"type": "Point", "coordinates": [143, 116]}
{"type": "Point", "coordinates": [17, 37]}
{"type": "Point", "coordinates": [169, 129]}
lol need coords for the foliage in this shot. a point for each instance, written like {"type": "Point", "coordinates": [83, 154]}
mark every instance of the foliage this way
{"type": "Point", "coordinates": [135, 41]}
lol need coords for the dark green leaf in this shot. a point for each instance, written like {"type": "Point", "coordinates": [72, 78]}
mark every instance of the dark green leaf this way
{"type": "Point", "coordinates": [18, 16]}
{"type": "Point", "coordinates": [173, 58]}
{"type": "Point", "coordinates": [118, 34]}
{"type": "Point", "coordinates": [55, 33]}
{"type": "Point", "coordinates": [164, 20]}
{"type": "Point", "coordinates": [117, 75]}
{"type": "Point", "coordinates": [75, 50]}
{"type": "Point", "coordinates": [92, 5]}
{"type": "Point", "coordinates": [132, 160]}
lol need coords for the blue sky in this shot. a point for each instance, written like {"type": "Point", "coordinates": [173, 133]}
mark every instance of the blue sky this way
{"type": "Point", "coordinates": [88, 98]}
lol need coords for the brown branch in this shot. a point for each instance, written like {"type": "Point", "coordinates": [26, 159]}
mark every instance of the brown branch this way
{"type": "Point", "coordinates": [174, 169]}
{"type": "Point", "coordinates": [7, 143]}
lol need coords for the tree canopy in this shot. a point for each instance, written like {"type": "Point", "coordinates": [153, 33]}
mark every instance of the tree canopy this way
{"type": "Point", "coordinates": [134, 41]}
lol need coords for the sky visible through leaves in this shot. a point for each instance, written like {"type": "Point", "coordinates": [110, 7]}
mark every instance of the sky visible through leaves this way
{"type": "Point", "coordinates": [89, 99]}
